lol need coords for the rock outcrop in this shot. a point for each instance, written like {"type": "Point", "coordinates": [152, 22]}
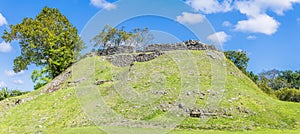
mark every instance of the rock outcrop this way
{"type": "Point", "coordinates": [56, 84]}
{"type": "Point", "coordinates": [123, 56]}
{"type": "Point", "coordinates": [186, 45]}
{"type": "Point", "coordinates": [117, 50]}
{"type": "Point", "coordinates": [128, 59]}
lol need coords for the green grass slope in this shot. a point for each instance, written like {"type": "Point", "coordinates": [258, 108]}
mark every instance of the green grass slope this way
{"type": "Point", "coordinates": [229, 101]}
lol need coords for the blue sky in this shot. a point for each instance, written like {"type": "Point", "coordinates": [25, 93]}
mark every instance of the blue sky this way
{"type": "Point", "coordinates": [267, 29]}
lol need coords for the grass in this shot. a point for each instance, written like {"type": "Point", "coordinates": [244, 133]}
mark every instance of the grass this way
{"type": "Point", "coordinates": [121, 130]}
{"type": "Point", "coordinates": [151, 92]}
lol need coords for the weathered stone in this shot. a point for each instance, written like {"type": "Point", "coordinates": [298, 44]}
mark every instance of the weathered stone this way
{"type": "Point", "coordinates": [186, 45]}
{"type": "Point", "coordinates": [180, 106]}
{"type": "Point", "coordinates": [117, 50]}
{"type": "Point", "coordinates": [128, 59]}
{"type": "Point", "coordinates": [57, 82]}
{"type": "Point", "coordinates": [195, 114]}
{"type": "Point", "coordinates": [196, 92]}
{"type": "Point", "coordinates": [76, 82]}
{"type": "Point", "coordinates": [156, 49]}
{"type": "Point", "coordinates": [100, 82]}
{"type": "Point", "coordinates": [189, 93]}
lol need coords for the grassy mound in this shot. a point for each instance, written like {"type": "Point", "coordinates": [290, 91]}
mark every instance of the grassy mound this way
{"type": "Point", "coordinates": [179, 83]}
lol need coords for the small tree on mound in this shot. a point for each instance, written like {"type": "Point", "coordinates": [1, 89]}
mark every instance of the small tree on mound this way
{"type": "Point", "coordinates": [114, 37]}
{"type": "Point", "coordinates": [239, 58]}
{"type": "Point", "coordinates": [49, 41]}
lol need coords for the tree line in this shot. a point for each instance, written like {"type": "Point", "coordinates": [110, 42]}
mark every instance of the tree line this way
{"type": "Point", "coordinates": [282, 84]}
{"type": "Point", "coordinates": [6, 93]}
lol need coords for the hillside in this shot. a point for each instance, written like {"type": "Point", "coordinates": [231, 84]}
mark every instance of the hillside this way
{"type": "Point", "coordinates": [186, 89]}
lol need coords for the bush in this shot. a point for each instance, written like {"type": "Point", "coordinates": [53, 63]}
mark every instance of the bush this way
{"type": "Point", "coordinates": [5, 93]}
{"type": "Point", "coordinates": [265, 88]}
{"type": "Point", "coordinates": [292, 95]}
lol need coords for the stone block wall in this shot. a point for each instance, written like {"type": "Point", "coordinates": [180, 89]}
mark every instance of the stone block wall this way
{"type": "Point", "coordinates": [186, 45]}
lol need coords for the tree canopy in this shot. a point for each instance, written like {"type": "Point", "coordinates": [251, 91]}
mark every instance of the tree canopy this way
{"type": "Point", "coordinates": [114, 37]}
{"type": "Point", "coordinates": [6, 93]}
{"type": "Point", "coordinates": [49, 41]}
{"type": "Point", "coordinates": [281, 79]}
{"type": "Point", "coordinates": [239, 58]}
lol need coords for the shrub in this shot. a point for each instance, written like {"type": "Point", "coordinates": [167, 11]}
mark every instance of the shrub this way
{"type": "Point", "coordinates": [286, 94]}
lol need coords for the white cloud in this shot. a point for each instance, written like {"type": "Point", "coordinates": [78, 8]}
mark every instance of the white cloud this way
{"type": "Point", "coordinates": [5, 47]}
{"type": "Point", "coordinates": [257, 7]}
{"type": "Point", "coordinates": [190, 18]}
{"type": "Point", "coordinates": [19, 82]}
{"type": "Point", "coordinates": [210, 6]}
{"type": "Point", "coordinates": [219, 37]}
{"type": "Point", "coordinates": [251, 37]}
{"type": "Point", "coordinates": [2, 20]}
{"type": "Point", "coordinates": [226, 24]}
{"type": "Point", "coordinates": [103, 4]}
{"type": "Point", "coordinates": [2, 84]}
{"type": "Point", "coordinates": [11, 73]}
{"type": "Point", "coordinates": [298, 20]}
{"type": "Point", "coordinates": [258, 24]}
{"type": "Point", "coordinates": [258, 19]}
{"type": "Point", "coordinates": [256, 11]}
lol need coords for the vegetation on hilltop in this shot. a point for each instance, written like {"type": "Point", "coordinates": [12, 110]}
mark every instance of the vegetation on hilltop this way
{"type": "Point", "coordinates": [115, 37]}
{"type": "Point", "coordinates": [6, 93]}
{"type": "Point", "coordinates": [283, 84]}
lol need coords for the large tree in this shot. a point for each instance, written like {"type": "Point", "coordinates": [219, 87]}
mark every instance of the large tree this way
{"type": "Point", "coordinates": [49, 41]}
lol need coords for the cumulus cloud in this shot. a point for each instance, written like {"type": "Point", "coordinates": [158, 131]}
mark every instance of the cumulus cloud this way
{"type": "Point", "coordinates": [190, 18]}
{"type": "Point", "coordinates": [5, 47]}
{"type": "Point", "coordinates": [210, 6]}
{"type": "Point", "coordinates": [256, 11]}
{"type": "Point", "coordinates": [11, 73]}
{"type": "Point", "coordinates": [2, 84]}
{"type": "Point", "coordinates": [258, 24]}
{"type": "Point", "coordinates": [19, 82]}
{"type": "Point", "coordinates": [2, 20]}
{"type": "Point", "coordinates": [103, 4]}
{"type": "Point", "coordinates": [226, 24]}
{"type": "Point", "coordinates": [251, 37]}
{"type": "Point", "coordinates": [258, 20]}
{"type": "Point", "coordinates": [219, 37]}
{"type": "Point", "coordinates": [257, 7]}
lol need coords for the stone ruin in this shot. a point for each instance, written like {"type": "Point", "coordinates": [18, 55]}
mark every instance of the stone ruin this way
{"type": "Point", "coordinates": [125, 55]}
{"type": "Point", "coordinates": [117, 50]}
{"type": "Point", "coordinates": [129, 59]}
{"type": "Point", "coordinates": [186, 45]}
{"type": "Point", "coordinates": [57, 83]}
